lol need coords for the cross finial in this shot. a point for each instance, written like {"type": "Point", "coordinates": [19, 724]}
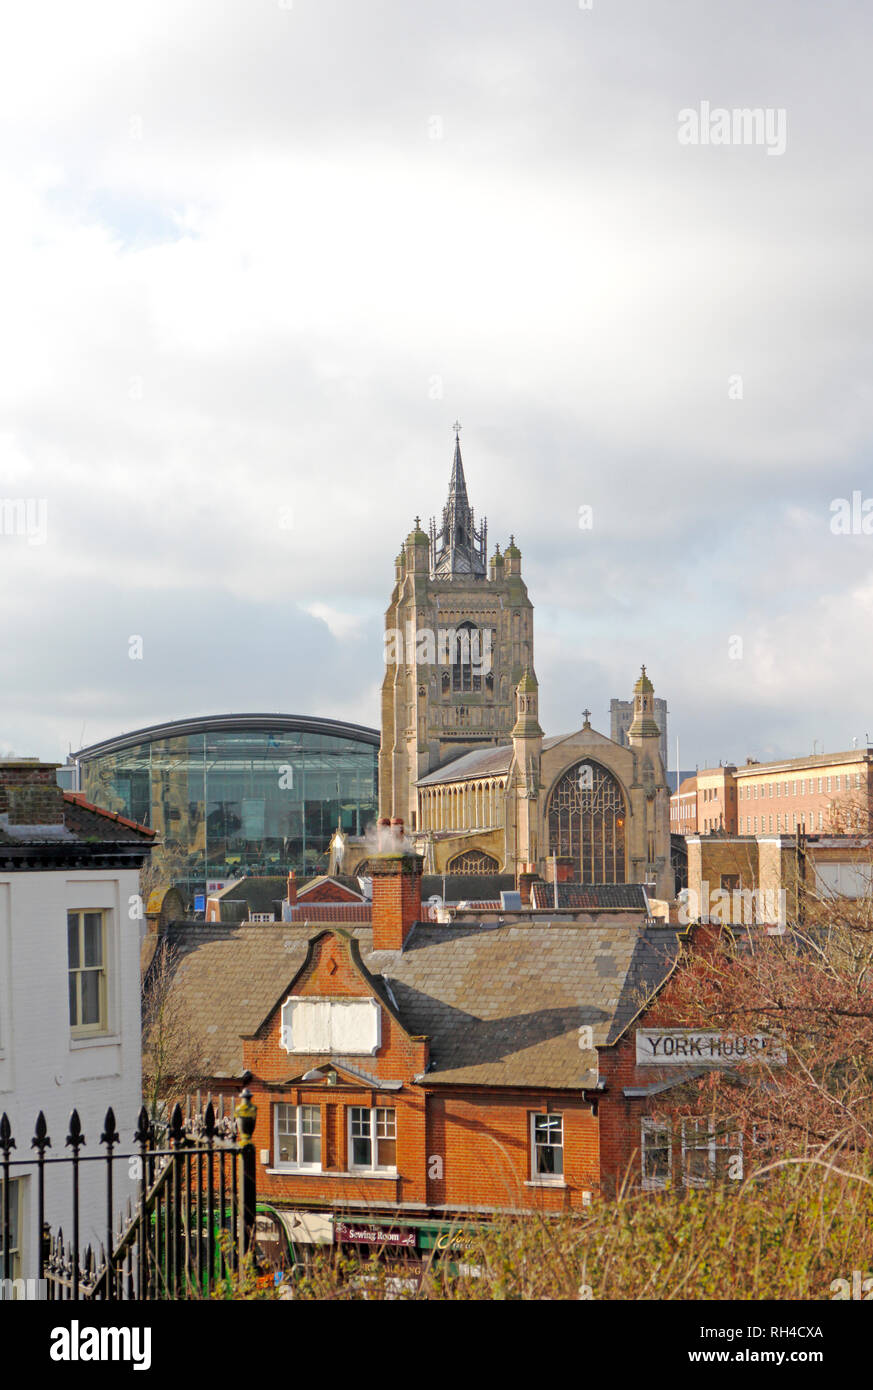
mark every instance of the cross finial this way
{"type": "Point", "coordinates": [418, 523]}
{"type": "Point", "coordinates": [457, 428]}
{"type": "Point", "coordinates": [586, 715]}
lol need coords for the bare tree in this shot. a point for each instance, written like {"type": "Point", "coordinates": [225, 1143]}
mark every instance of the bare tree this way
{"type": "Point", "coordinates": [163, 867]}
{"type": "Point", "coordinates": [172, 1056]}
{"type": "Point", "coordinates": [810, 988]}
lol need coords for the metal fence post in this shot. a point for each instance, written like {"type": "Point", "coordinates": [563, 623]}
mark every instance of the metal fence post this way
{"type": "Point", "coordinates": [75, 1140]}
{"type": "Point", "coordinates": [41, 1142]}
{"type": "Point", "coordinates": [7, 1143]}
{"type": "Point", "coordinates": [246, 1115]}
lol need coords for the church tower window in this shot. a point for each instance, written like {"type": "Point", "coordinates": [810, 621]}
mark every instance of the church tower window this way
{"type": "Point", "coordinates": [467, 658]}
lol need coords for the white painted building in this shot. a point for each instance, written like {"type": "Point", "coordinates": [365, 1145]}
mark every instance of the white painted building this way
{"type": "Point", "coordinates": [70, 1030]}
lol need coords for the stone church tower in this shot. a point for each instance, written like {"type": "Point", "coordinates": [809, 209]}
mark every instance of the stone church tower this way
{"type": "Point", "coordinates": [458, 638]}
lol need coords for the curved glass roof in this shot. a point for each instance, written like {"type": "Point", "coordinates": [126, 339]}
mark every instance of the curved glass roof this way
{"type": "Point", "coordinates": [227, 723]}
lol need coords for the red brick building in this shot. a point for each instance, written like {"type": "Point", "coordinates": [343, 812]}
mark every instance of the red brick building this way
{"type": "Point", "coordinates": [683, 808]}
{"type": "Point", "coordinates": [413, 1075]}
{"type": "Point", "coordinates": [826, 792]}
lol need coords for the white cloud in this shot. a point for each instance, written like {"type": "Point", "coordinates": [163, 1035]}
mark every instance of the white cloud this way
{"type": "Point", "coordinates": [235, 264]}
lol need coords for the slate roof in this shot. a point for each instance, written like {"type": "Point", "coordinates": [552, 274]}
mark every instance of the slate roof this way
{"type": "Point", "coordinates": [591, 896]}
{"type": "Point", "coordinates": [82, 823]}
{"type": "Point", "coordinates": [259, 893]}
{"type": "Point", "coordinates": [86, 834]}
{"type": "Point", "coordinates": [482, 762]}
{"type": "Point", "coordinates": [501, 1005]}
{"type": "Point", "coordinates": [86, 820]}
{"type": "Point", "coordinates": [466, 887]}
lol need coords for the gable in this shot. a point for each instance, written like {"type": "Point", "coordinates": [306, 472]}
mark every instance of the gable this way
{"type": "Point", "coordinates": [328, 890]}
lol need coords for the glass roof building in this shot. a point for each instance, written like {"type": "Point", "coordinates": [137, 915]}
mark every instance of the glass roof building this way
{"type": "Point", "coordinates": [239, 792]}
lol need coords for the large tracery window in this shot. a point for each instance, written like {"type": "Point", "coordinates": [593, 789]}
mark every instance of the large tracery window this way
{"type": "Point", "coordinates": [587, 823]}
{"type": "Point", "coordinates": [472, 862]}
{"type": "Point", "coordinates": [467, 658]}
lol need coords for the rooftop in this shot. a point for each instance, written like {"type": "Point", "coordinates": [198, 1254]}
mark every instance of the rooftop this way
{"type": "Point", "coordinates": [501, 1005]}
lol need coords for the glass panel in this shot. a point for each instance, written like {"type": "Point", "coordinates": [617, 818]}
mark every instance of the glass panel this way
{"type": "Point", "coordinates": [287, 1148]}
{"type": "Point", "coordinates": [656, 1153]}
{"type": "Point", "coordinates": [549, 1160]}
{"type": "Point", "coordinates": [311, 1119]}
{"type": "Point", "coordinates": [93, 938]}
{"type": "Point", "coordinates": [74, 1012]}
{"type": "Point", "coordinates": [286, 1126]}
{"type": "Point", "coordinates": [387, 1153]}
{"type": "Point", "coordinates": [90, 996]}
{"type": "Point", "coordinates": [73, 939]}
{"type": "Point", "coordinates": [361, 1153]}
{"type": "Point", "coordinates": [697, 1156]}
{"type": "Point", "coordinates": [311, 1148]}
{"type": "Point", "coordinates": [256, 798]}
{"type": "Point", "coordinates": [386, 1124]}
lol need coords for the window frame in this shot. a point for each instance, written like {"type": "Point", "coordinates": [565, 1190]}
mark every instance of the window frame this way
{"type": "Point", "coordinates": [650, 1124]}
{"type": "Point", "coordinates": [373, 1138]}
{"type": "Point", "coordinates": [16, 1214]}
{"type": "Point", "coordinates": [717, 1144]}
{"type": "Point", "coordinates": [101, 1027]}
{"type": "Point", "coordinates": [545, 1179]}
{"type": "Point", "coordinates": [283, 1165]}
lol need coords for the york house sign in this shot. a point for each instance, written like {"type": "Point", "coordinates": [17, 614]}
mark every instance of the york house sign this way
{"type": "Point", "coordinates": [659, 1047]}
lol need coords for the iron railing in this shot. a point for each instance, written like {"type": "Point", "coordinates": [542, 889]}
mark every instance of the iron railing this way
{"type": "Point", "coordinates": [189, 1228]}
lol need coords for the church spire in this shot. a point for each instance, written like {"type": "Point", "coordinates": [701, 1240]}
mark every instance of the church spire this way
{"type": "Point", "coordinates": [457, 548]}
{"type": "Point", "coordinates": [458, 483]}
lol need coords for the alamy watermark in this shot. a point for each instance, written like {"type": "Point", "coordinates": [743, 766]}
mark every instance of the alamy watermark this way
{"type": "Point", "coordinates": [27, 1289]}
{"type": "Point", "coordinates": [735, 907]}
{"type": "Point", "coordinates": [861, 1287]}
{"type": "Point", "coordinates": [447, 646]}
{"type": "Point", "coordinates": [852, 518]}
{"type": "Point", "coordinates": [718, 125]}
{"type": "Point", "coordinates": [26, 517]}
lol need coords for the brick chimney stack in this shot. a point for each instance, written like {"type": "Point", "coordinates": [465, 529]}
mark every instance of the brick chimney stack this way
{"type": "Point", "coordinates": [29, 792]}
{"type": "Point", "coordinates": [396, 897]}
{"type": "Point", "coordinates": [292, 888]}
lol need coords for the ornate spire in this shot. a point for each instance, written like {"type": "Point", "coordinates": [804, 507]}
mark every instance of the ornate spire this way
{"type": "Point", "coordinates": [458, 483]}
{"type": "Point", "coordinates": [457, 548]}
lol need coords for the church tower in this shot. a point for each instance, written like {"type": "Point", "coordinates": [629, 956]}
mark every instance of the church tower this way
{"type": "Point", "coordinates": [525, 774]}
{"type": "Point", "coordinates": [651, 860]}
{"type": "Point", "coordinates": [458, 638]}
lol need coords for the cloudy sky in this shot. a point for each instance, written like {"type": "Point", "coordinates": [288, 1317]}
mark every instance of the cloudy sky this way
{"type": "Point", "coordinates": [256, 257]}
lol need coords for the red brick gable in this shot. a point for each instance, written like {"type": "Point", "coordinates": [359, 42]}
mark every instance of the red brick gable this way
{"type": "Point", "coordinates": [330, 968]}
{"type": "Point", "coordinates": [333, 969]}
{"type": "Point", "coordinates": [327, 890]}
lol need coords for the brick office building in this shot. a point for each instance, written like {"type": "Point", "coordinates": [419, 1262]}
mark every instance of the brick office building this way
{"type": "Point", "coordinates": [683, 808]}
{"type": "Point", "coordinates": [827, 792]}
{"type": "Point", "coordinates": [414, 1075]}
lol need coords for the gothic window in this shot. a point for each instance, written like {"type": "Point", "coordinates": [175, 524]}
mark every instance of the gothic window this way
{"type": "Point", "coordinates": [472, 861]}
{"type": "Point", "coordinates": [446, 682]}
{"type": "Point", "coordinates": [489, 684]}
{"type": "Point", "coordinates": [467, 658]}
{"type": "Point", "coordinates": [587, 823]}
